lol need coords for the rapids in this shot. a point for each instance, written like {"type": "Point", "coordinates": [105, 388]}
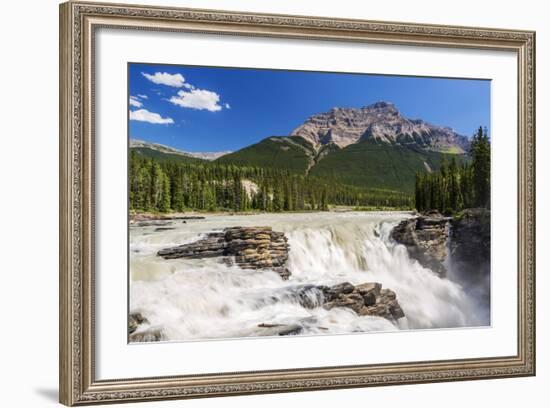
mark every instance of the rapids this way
{"type": "Point", "coordinates": [206, 299]}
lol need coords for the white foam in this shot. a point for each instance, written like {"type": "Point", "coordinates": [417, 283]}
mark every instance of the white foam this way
{"type": "Point", "coordinates": [199, 299]}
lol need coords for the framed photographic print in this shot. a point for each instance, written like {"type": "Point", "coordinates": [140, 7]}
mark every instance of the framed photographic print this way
{"type": "Point", "coordinates": [256, 203]}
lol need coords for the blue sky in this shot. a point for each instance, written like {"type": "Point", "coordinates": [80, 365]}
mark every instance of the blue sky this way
{"type": "Point", "coordinates": [214, 109]}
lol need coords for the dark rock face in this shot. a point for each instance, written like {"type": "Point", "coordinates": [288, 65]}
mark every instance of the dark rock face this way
{"type": "Point", "coordinates": [135, 320]}
{"type": "Point", "coordinates": [247, 247]}
{"type": "Point", "coordinates": [425, 237]}
{"type": "Point", "coordinates": [366, 299]}
{"type": "Point", "coordinates": [146, 336]}
{"type": "Point", "coordinates": [280, 329]}
{"type": "Point", "coordinates": [471, 243]}
{"type": "Point", "coordinates": [161, 229]}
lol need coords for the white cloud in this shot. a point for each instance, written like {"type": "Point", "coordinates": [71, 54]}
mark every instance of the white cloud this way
{"type": "Point", "coordinates": [135, 102]}
{"type": "Point", "coordinates": [191, 97]}
{"type": "Point", "coordinates": [197, 99]}
{"type": "Point", "coordinates": [164, 78]}
{"type": "Point", "coordinates": [143, 115]}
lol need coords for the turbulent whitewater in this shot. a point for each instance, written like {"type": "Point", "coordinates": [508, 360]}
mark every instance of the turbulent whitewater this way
{"type": "Point", "coordinates": [191, 299]}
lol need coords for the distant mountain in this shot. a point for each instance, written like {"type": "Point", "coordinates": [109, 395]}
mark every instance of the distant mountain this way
{"type": "Point", "coordinates": [372, 147]}
{"type": "Point", "coordinates": [368, 163]}
{"type": "Point", "coordinates": [161, 151]}
{"type": "Point", "coordinates": [373, 164]}
{"type": "Point", "coordinates": [293, 153]}
{"type": "Point", "coordinates": [379, 122]}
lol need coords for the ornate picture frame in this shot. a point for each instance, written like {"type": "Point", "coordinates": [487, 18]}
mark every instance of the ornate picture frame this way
{"type": "Point", "coordinates": [78, 24]}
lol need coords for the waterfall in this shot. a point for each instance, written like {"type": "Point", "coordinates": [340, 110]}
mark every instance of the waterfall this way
{"type": "Point", "coordinates": [204, 298]}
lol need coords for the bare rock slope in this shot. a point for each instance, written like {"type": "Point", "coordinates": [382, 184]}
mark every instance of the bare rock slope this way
{"type": "Point", "coordinates": [380, 122]}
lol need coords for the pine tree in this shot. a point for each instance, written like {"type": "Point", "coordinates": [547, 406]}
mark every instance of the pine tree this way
{"type": "Point", "coordinates": [278, 198]}
{"type": "Point", "coordinates": [455, 197]}
{"type": "Point", "coordinates": [481, 162]}
{"type": "Point", "coordinates": [164, 203]}
{"type": "Point", "coordinates": [324, 200]}
{"type": "Point", "coordinates": [454, 187]}
{"type": "Point", "coordinates": [165, 185]}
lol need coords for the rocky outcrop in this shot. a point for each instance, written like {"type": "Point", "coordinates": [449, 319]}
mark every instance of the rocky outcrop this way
{"type": "Point", "coordinates": [469, 233]}
{"type": "Point", "coordinates": [425, 238]}
{"type": "Point", "coordinates": [134, 321]}
{"type": "Point", "coordinates": [380, 122]}
{"type": "Point", "coordinates": [366, 299]}
{"type": "Point", "coordinates": [138, 334]}
{"type": "Point", "coordinates": [146, 336]}
{"type": "Point", "coordinates": [279, 329]}
{"type": "Point", "coordinates": [247, 247]}
{"type": "Point", "coordinates": [470, 243]}
{"type": "Point", "coordinates": [162, 229]}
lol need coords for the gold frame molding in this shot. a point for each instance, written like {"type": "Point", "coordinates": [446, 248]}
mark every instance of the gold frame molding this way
{"type": "Point", "coordinates": [78, 22]}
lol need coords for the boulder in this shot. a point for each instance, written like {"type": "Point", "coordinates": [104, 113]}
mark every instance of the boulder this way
{"type": "Point", "coordinates": [340, 289]}
{"type": "Point", "coordinates": [138, 334]}
{"type": "Point", "coordinates": [160, 229]}
{"type": "Point", "coordinates": [146, 336]}
{"type": "Point", "coordinates": [134, 321]}
{"type": "Point", "coordinates": [370, 287]}
{"type": "Point", "coordinates": [366, 299]}
{"type": "Point", "coordinates": [279, 329]}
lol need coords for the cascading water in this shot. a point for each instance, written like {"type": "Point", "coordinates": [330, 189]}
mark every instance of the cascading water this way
{"type": "Point", "coordinates": [204, 298]}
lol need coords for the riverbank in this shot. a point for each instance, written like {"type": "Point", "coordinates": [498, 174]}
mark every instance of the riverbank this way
{"type": "Point", "coordinates": [135, 216]}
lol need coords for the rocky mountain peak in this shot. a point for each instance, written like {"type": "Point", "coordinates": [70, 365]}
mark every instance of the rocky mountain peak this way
{"type": "Point", "coordinates": [381, 106]}
{"type": "Point", "coordinates": [380, 121]}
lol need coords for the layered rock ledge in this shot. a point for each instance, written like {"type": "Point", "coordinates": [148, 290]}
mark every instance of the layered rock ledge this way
{"type": "Point", "coordinates": [425, 238]}
{"type": "Point", "coordinates": [247, 247]}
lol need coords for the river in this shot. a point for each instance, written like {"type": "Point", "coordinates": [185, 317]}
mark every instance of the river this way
{"type": "Point", "coordinates": [206, 299]}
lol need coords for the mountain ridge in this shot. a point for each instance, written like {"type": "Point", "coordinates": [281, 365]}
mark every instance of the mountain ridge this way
{"type": "Point", "coordinates": [374, 147]}
{"type": "Point", "coordinates": [210, 156]}
{"type": "Point", "coordinates": [382, 122]}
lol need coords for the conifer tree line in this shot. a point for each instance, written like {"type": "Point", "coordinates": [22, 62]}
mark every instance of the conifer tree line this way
{"type": "Point", "coordinates": [164, 185]}
{"type": "Point", "coordinates": [455, 187]}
